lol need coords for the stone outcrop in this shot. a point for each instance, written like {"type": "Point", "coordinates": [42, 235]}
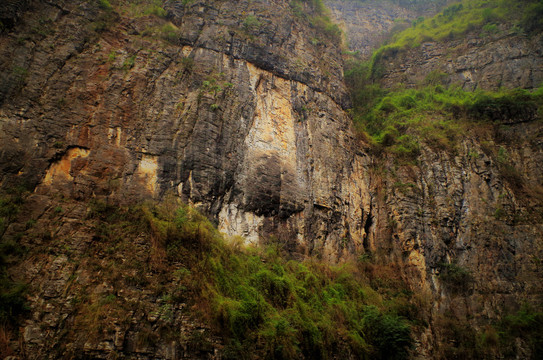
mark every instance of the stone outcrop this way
{"type": "Point", "coordinates": [477, 61]}
{"type": "Point", "coordinates": [368, 23]}
{"type": "Point", "coordinates": [234, 107]}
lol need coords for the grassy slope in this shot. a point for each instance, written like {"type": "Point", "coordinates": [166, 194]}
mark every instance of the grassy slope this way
{"type": "Point", "coordinates": [263, 303]}
{"type": "Point", "coordinates": [398, 120]}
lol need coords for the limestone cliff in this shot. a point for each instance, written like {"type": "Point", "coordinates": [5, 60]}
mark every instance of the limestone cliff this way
{"type": "Point", "coordinates": [506, 59]}
{"type": "Point", "coordinates": [242, 116]}
{"type": "Point", "coordinates": [239, 108]}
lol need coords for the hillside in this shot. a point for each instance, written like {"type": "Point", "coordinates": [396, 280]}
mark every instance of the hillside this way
{"type": "Point", "coordinates": [226, 180]}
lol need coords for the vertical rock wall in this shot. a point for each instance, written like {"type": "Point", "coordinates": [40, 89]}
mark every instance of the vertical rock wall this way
{"type": "Point", "coordinates": [242, 118]}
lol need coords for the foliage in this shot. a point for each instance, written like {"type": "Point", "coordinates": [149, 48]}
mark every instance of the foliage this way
{"type": "Point", "coordinates": [286, 309]}
{"type": "Point", "coordinates": [138, 8]}
{"type": "Point", "coordinates": [532, 21]}
{"type": "Point", "coordinates": [456, 277]}
{"type": "Point", "coordinates": [526, 324]}
{"type": "Point", "coordinates": [105, 5]}
{"type": "Point", "coordinates": [264, 304]}
{"type": "Point", "coordinates": [396, 120]}
{"type": "Point", "coordinates": [129, 62]}
{"type": "Point", "coordinates": [459, 18]}
{"type": "Point", "coordinates": [390, 334]}
{"type": "Point", "coordinates": [251, 23]}
{"type": "Point", "coordinates": [318, 16]}
{"type": "Point", "coordinates": [169, 32]}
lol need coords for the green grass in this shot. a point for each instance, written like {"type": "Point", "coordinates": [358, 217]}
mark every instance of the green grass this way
{"type": "Point", "coordinates": [261, 302]}
{"type": "Point", "coordinates": [285, 309]}
{"type": "Point", "coordinates": [397, 120]}
{"type": "Point", "coordinates": [139, 8]}
{"type": "Point", "coordinates": [454, 21]}
{"type": "Point", "coordinates": [318, 15]}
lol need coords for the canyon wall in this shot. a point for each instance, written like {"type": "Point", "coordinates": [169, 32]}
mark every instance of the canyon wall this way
{"type": "Point", "coordinates": [240, 110]}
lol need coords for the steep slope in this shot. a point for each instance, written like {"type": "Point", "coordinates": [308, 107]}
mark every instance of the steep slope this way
{"type": "Point", "coordinates": [368, 23]}
{"type": "Point", "coordinates": [473, 44]}
{"type": "Point", "coordinates": [459, 171]}
{"type": "Point", "coordinates": [242, 116]}
{"type": "Point", "coordinates": [240, 109]}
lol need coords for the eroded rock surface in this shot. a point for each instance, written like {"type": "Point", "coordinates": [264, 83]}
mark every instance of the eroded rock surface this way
{"type": "Point", "coordinates": [477, 61]}
{"type": "Point", "coordinates": [244, 119]}
{"type": "Point", "coordinates": [233, 107]}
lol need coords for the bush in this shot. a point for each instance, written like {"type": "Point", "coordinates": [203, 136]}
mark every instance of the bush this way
{"type": "Point", "coordinates": [526, 324]}
{"type": "Point", "coordinates": [457, 278]}
{"type": "Point", "coordinates": [12, 299]}
{"type": "Point", "coordinates": [169, 32]}
{"type": "Point", "coordinates": [516, 105]}
{"type": "Point", "coordinates": [263, 304]}
{"type": "Point", "coordinates": [389, 335]}
{"type": "Point", "coordinates": [532, 21]}
{"type": "Point", "coordinates": [105, 5]}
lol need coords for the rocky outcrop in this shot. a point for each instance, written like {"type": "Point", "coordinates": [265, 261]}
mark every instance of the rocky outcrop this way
{"type": "Point", "coordinates": [477, 61]}
{"type": "Point", "coordinates": [243, 118]}
{"type": "Point", "coordinates": [239, 109]}
{"type": "Point", "coordinates": [368, 23]}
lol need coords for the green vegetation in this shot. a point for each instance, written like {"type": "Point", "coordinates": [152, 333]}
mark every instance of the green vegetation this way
{"type": "Point", "coordinates": [397, 120]}
{"type": "Point", "coordinates": [105, 5]}
{"type": "Point", "coordinates": [527, 324]}
{"type": "Point", "coordinates": [261, 302]}
{"type": "Point", "coordinates": [169, 32]}
{"type": "Point", "coordinates": [286, 308]}
{"type": "Point", "coordinates": [492, 341]}
{"type": "Point", "coordinates": [457, 278]}
{"type": "Point", "coordinates": [318, 16]}
{"type": "Point", "coordinates": [129, 62]}
{"type": "Point", "coordinates": [251, 23]}
{"type": "Point", "coordinates": [457, 19]}
{"type": "Point", "coordinates": [138, 8]}
{"type": "Point", "coordinates": [532, 21]}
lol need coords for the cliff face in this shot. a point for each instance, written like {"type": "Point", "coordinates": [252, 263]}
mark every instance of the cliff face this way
{"type": "Point", "coordinates": [368, 23]}
{"type": "Point", "coordinates": [481, 214]}
{"type": "Point", "coordinates": [239, 108]}
{"type": "Point", "coordinates": [232, 107]}
{"type": "Point", "coordinates": [477, 61]}
{"type": "Point", "coordinates": [241, 115]}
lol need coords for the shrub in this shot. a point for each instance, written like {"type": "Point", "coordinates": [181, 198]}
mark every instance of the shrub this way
{"type": "Point", "coordinates": [532, 21]}
{"type": "Point", "coordinates": [262, 303]}
{"type": "Point", "coordinates": [105, 5]}
{"type": "Point", "coordinates": [526, 324]}
{"type": "Point", "coordinates": [389, 335]}
{"type": "Point", "coordinates": [251, 23]}
{"type": "Point", "coordinates": [12, 299]}
{"type": "Point", "coordinates": [129, 62]}
{"type": "Point", "coordinates": [169, 32]}
{"type": "Point", "coordinates": [457, 278]}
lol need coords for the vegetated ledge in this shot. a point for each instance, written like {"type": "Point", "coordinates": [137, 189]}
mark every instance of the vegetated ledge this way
{"type": "Point", "coordinates": [160, 276]}
{"type": "Point", "coordinates": [478, 43]}
{"type": "Point", "coordinates": [434, 112]}
{"type": "Point", "coordinates": [158, 279]}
